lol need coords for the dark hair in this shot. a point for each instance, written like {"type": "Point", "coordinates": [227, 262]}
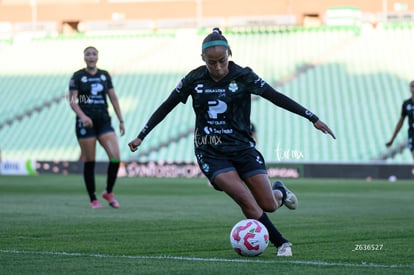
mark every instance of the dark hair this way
{"type": "Point", "coordinates": [215, 38]}
{"type": "Point", "coordinates": [90, 47]}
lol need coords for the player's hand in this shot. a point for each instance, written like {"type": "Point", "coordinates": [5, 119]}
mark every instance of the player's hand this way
{"type": "Point", "coordinates": [134, 144]}
{"type": "Point", "coordinates": [389, 143]}
{"type": "Point", "coordinates": [320, 125]}
{"type": "Point", "coordinates": [87, 122]}
{"type": "Point", "coordinates": [121, 128]}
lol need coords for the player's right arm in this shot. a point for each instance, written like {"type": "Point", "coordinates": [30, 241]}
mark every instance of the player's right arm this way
{"type": "Point", "coordinates": [73, 102]}
{"type": "Point", "coordinates": [163, 110]}
{"type": "Point", "coordinates": [396, 130]}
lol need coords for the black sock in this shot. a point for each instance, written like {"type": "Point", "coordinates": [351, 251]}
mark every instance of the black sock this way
{"type": "Point", "coordinates": [112, 173]}
{"type": "Point", "coordinates": [275, 236]}
{"type": "Point", "coordinates": [89, 178]}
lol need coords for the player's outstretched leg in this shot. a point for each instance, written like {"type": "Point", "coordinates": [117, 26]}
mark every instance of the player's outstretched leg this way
{"type": "Point", "coordinates": [289, 198]}
{"type": "Point", "coordinates": [283, 246]}
{"type": "Point", "coordinates": [285, 249]}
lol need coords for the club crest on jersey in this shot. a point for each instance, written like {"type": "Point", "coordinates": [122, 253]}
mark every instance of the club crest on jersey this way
{"type": "Point", "coordinates": [103, 77]}
{"type": "Point", "coordinates": [84, 79]}
{"type": "Point", "coordinates": [233, 87]}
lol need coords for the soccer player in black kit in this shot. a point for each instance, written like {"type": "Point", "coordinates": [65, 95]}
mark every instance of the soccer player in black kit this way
{"type": "Point", "coordinates": [89, 89]}
{"type": "Point", "coordinates": [225, 150]}
{"type": "Point", "coordinates": [407, 110]}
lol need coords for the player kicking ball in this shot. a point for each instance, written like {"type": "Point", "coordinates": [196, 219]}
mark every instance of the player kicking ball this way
{"type": "Point", "coordinates": [224, 147]}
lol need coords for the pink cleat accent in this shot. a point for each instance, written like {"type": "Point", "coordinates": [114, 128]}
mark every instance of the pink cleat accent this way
{"type": "Point", "coordinates": [111, 199]}
{"type": "Point", "coordinates": [96, 204]}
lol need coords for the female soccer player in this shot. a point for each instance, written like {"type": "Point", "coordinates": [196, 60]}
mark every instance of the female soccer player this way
{"type": "Point", "coordinates": [407, 110]}
{"type": "Point", "coordinates": [88, 89]}
{"type": "Point", "coordinates": [225, 150]}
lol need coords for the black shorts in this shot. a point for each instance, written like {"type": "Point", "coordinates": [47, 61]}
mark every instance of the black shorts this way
{"type": "Point", "coordinates": [100, 126]}
{"type": "Point", "coordinates": [247, 163]}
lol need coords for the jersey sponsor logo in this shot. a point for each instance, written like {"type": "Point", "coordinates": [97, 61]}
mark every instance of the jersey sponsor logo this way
{"type": "Point", "coordinates": [96, 88]}
{"type": "Point", "coordinates": [216, 107]}
{"type": "Point", "coordinates": [215, 91]}
{"type": "Point", "coordinates": [94, 79]}
{"type": "Point", "coordinates": [199, 88]}
{"type": "Point", "coordinates": [233, 87]}
{"type": "Point", "coordinates": [208, 130]}
{"type": "Point", "coordinates": [216, 122]}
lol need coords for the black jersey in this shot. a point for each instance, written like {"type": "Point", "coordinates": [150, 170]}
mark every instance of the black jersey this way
{"type": "Point", "coordinates": [408, 110]}
{"type": "Point", "coordinates": [92, 91]}
{"type": "Point", "coordinates": [222, 108]}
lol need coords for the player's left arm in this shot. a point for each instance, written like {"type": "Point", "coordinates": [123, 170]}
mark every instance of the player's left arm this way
{"type": "Point", "coordinates": [115, 104]}
{"type": "Point", "coordinates": [289, 104]}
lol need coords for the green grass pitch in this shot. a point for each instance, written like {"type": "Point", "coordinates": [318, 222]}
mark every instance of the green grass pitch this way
{"type": "Point", "coordinates": [182, 226]}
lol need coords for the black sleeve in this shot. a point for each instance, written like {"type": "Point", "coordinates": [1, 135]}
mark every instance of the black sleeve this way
{"type": "Point", "coordinates": [403, 110]}
{"type": "Point", "coordinates": [160, 114]}
{"type": "Point", "coordinates": [289, 104]}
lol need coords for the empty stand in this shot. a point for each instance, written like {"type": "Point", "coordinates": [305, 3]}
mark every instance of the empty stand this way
{"type": "Point", "coordinates": [355, 82]}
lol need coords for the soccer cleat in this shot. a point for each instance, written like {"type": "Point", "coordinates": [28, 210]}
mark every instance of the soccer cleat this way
{"type": "Point", "coordinates": [96, 204]}
{"type": "Point", "coordinates": [111, 199]}
{"type": "Point", "coordinates": [285, 249]}
{"type": "Point", "coordinates": [290, 200]}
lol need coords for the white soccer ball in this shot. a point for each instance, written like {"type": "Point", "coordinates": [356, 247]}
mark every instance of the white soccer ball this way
{"type": "Point", "coordinates": [249, 238]}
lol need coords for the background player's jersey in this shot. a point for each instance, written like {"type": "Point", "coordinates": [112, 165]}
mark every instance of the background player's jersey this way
{"type": "Point", "coordinates": [222, 108]}
{"type": "Point", "coordinates": [92, 91]}
{"type": "Point", "coordinates": [408, 110]}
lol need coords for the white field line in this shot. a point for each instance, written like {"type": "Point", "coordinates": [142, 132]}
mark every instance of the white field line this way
{"type": "Point", "coordinates": [197, 259]}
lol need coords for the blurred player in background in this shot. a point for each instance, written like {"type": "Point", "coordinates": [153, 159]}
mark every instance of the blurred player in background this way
{"type": "Point", "coordinates": [407, 110]}
{"type": "Point", "coordinates": [89, 88]}
{"type": "Point", "coordinates": [224, 147]}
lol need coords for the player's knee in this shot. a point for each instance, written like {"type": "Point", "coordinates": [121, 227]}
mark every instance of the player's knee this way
{"type": "Point", "coordinates": [270, 206]}
{"type": "Point", "coordinates": [269, 209]}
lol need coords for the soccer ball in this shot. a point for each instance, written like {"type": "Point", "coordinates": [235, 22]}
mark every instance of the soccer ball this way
{"type": "Point", "coordinates": [249, 238]}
